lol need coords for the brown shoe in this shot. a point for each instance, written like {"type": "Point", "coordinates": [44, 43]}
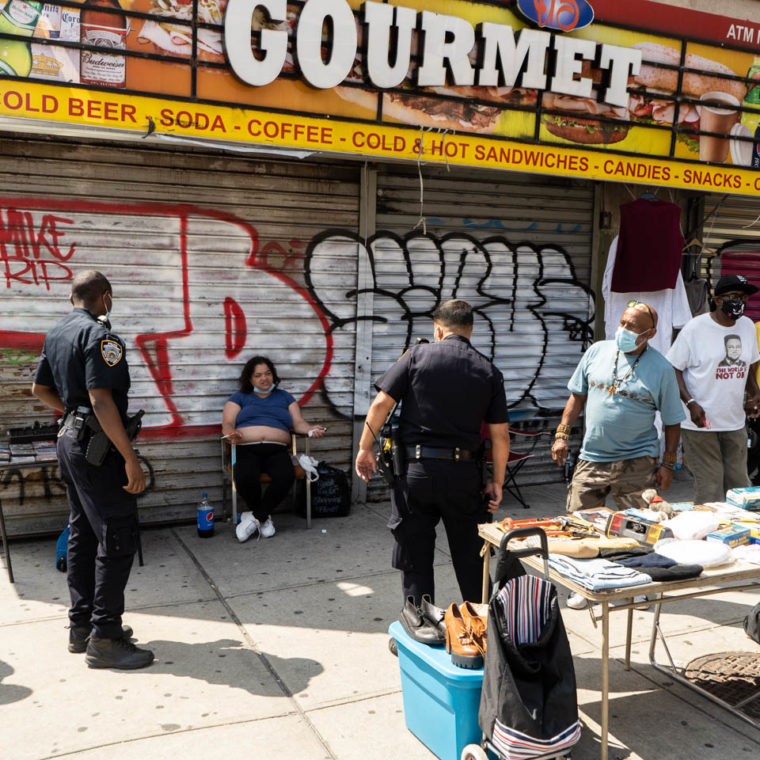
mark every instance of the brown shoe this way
{"type": "Point", "coordinates": [475, 617]}
{"type": "Point", "coordinates": [459, 644]}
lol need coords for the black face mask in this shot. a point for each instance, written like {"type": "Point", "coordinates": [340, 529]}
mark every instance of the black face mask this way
{"type": "Point", "coordinates": [732, 309]}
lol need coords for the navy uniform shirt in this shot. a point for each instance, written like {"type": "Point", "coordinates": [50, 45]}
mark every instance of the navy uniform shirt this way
{"type": "Point", "coordinates": [448, 390]}
{"type": "Point", "coordinates": [79, 354]}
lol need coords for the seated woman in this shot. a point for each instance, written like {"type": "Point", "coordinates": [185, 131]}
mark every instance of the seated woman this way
{"type": "Point", "coordinates": [258, 419]}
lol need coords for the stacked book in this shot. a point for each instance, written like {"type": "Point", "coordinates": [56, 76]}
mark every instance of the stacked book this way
{"type": "Point", "coordinates": [22, 452]}
{"type": "Point", "coordinates": [44, 451]}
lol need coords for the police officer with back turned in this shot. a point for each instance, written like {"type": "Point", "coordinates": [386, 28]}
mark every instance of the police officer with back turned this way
{"type": "Point", "coordinates": [446, 389]}
{"type": "Point", "coordinates": [83, 371]}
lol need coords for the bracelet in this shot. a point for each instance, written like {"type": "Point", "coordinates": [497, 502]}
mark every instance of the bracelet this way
{"type": "Point", "coordinates": [666, 465]}
{"type": "Point", "coordinates": [669, 457]}
{"type": "Point", "coordinates": [564, 429]}
{"type": "Point", "coordinates": [691, 401]}
{"type": "Point", "coordinates": [561, 436]}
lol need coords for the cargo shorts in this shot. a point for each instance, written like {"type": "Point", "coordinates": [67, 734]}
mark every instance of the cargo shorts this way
{"type": "Point", "coordinates": [626, 480]}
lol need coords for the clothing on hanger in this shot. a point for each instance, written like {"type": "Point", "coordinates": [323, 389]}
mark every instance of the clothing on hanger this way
{"type": "Point", "coordinates": [671, 305]}
{"type": "Point", "coordinates": [649, 251]}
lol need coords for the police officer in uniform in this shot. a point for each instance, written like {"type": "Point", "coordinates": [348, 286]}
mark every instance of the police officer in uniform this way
{"type": "Point", "coordinates": [446, 389]}
{"type": "Point", "coordinates": [83, 371]}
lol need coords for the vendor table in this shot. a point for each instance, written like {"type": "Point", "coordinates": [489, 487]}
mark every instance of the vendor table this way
{"type": "Point", "coordinates": [739, 576]}
{"type": "Point", "coordinates": [5, 466]}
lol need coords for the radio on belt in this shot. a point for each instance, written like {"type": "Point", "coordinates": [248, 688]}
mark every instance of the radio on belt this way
{"type": "Point", "coordinates": [620, 524]}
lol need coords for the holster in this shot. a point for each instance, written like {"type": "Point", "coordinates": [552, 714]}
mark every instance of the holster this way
{"type": "Point", "coordinates": [100, 444]}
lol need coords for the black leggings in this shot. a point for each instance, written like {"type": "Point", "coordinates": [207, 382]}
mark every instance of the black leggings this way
{"type": "Point", "coordinates": [271, 458]}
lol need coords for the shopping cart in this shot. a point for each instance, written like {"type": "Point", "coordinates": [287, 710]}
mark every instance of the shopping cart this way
{"type": "Point", "coordinates": [528, 705]}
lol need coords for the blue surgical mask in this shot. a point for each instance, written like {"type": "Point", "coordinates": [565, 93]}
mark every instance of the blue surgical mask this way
{"type": "Point", "coordinates": [626, 340]}
{"type": "Point", "coordinates": [265, 392]}
{"type": "Point", "coordinates": [107, 315]}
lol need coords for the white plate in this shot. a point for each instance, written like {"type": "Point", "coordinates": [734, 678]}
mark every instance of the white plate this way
{"type": "Point", "coordinates": [741, 150]}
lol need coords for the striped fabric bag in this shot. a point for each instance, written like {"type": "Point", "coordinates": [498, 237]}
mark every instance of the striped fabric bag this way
{"type": "Point", "coordinates": [528, 705]}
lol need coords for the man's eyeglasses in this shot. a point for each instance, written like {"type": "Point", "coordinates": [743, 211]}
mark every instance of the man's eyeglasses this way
{"type": "Point", "coordinates": [634, 303]}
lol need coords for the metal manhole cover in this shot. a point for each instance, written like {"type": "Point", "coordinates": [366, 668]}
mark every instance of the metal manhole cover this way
{"type": "Point", "coordinates": [733, 677]}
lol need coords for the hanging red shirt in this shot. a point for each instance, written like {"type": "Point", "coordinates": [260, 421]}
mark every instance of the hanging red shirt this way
{"type": "Point", "coordinates": [649, 247]}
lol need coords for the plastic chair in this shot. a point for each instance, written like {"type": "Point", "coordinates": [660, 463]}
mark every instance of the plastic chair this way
{"type": "Point", "coordinates": [229, 458]}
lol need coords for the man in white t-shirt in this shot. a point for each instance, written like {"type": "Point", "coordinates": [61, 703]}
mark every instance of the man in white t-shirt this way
{"type": "Point", "coordinates": [715, 357]}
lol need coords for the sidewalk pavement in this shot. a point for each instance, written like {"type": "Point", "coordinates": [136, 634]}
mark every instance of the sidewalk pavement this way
{"type": "Point", "coordinates": [279, 648]}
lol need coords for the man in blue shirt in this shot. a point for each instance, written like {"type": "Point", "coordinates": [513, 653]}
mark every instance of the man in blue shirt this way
{"type": "Point", "coordinates": [621, 383]}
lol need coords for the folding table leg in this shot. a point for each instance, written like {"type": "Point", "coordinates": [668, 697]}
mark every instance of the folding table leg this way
{"type": "Point", "coordinates": [6, 549]}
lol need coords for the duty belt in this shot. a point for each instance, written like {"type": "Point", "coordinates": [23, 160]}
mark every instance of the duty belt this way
{"type": "Point", "coordinates": [429, 452]}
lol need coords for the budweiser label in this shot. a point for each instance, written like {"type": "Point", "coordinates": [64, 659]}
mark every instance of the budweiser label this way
{"type": "Point", "coordinates": [99, 68]}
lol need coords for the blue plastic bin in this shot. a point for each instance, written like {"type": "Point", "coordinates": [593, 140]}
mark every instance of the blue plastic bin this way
{"type": "Point", "coordinates": [441, 700]}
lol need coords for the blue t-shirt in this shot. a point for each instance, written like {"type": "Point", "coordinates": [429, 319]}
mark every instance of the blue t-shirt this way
{"type": "Point", "coordinates": [621, 425]}
{"type": "Point", "coordinates": [272, 410]}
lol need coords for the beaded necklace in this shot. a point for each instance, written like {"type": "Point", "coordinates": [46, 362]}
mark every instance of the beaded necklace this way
{"type": "Point", "coordinates": [616, 383]}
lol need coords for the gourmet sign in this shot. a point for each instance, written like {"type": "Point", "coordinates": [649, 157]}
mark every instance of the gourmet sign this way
{"type": "Point", "coordinates": [506, 58]}
{"type": "Point", "coordinates": [557, 86]}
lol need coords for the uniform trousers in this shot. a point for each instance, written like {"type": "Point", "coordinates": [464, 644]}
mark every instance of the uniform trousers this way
{"type": "Point", "coordinates": [717, 460]}
{"type": "Point", "coordinates": [102, 537]}
{"type": "Point", "coordinates": [436, 490]}
{"type": "Point", "coordinates": [254, 459]}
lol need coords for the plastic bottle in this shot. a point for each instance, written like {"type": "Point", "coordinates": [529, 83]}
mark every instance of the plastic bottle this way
{"type": "Point", "coordinates": [205, 518]}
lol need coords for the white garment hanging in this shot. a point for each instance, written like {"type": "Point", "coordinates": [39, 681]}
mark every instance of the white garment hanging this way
{"type": "Point", "coordinates": [671, 305]}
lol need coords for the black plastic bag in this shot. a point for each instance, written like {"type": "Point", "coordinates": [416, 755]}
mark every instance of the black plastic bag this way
{"type": "Point", "coordinates": [330, 495]}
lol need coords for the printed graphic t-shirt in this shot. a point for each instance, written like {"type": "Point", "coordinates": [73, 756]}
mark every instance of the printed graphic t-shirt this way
{"type": "Point", "coordinates": [621, 425]}
{"type": "Point", "coordinates": [715, 362]}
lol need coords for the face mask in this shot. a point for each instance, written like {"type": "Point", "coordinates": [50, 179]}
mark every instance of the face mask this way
{"type": "Point", "coordinates": [108, 313]}
{"type": "Point", "coordinates": [264, 392]}
{"type": "Point", "coordinates": [732, 309]}
{"type": "Point", "coordinates": [626, 340]}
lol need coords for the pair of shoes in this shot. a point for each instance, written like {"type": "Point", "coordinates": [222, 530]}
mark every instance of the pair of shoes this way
{"type": "Point", "coordinates": [247, 526]}
{"type": "Point", "coordinates": [434, 616]}
{"type": "Point", "coordinates": [576, 601]}
{"type": "Point", "coordinates": [79, 635]}
{"type": "Point", "coordinates": [418, 626]}
{"type": "Point", "coordinates": [120, 654]}
{"type": "Point", "coordinates": [267, 528]}
{"type": "Point", "coordinates": [466, 629]}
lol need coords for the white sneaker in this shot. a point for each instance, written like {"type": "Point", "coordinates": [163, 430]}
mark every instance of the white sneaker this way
{"type": "Point", "coordinates": [577, 602]}
{"type": "Point", "coordinates": [247, 526]}
{"type": "Point", "coordinates": [267, 528]}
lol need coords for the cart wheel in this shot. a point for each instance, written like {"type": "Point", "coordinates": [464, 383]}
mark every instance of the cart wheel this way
{"type": "Point", "coordinates": [473, 752]}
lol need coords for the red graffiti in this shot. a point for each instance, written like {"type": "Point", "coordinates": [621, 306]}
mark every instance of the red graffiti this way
{"type": "Point", "coordinates": [21, 249]}
{"type": "Point", "coordinates": [234, 328]}
{"type": "Point", "coordinates": [32, 255]}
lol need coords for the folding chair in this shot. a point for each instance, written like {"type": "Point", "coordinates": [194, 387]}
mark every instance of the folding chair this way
{"type": "Point", "coordinates": [517, 459]}
{"type": "Point", "coordinates": [229, 458]}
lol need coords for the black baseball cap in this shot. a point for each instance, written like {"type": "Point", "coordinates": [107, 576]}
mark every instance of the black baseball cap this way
{"type": "Point", "coordinates": [734, 282]}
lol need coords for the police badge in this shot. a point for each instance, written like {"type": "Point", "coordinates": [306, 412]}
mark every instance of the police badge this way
{"type": "Point", "coordinates": [111, 352]}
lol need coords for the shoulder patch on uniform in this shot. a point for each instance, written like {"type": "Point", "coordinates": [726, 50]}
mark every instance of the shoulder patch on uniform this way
{"type": "Point", "coordinates": [111, 351]}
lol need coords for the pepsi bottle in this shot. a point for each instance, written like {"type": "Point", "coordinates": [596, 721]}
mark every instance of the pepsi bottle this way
{"type": "Point", "coordinates": [205, 518]}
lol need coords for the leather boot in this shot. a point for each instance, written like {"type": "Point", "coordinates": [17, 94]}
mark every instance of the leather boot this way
{"type": "Point", "coordinates": [120, 654]}
{"type": "Point", "coordinates": [417, 627]}
{"type": "Point", "coordinates": [79, 635]}
{"type": "Point", "coordinates": [459, 644]}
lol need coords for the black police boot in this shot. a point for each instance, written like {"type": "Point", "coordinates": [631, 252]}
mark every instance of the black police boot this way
{"type": "Point", "coordinates": [120, 654]}
{"type": "Point", "coordinates": [79, 635]}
